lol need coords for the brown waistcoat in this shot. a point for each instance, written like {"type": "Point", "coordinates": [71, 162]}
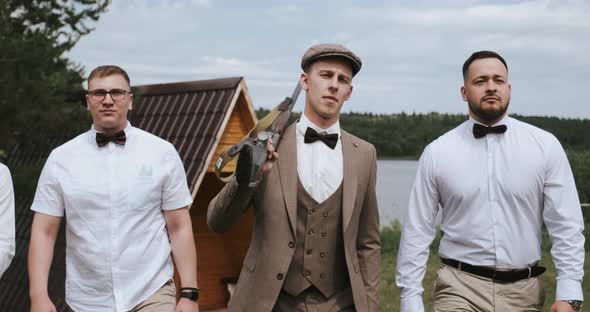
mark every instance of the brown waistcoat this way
{"type": "Point", "coordinates": [319, 258]}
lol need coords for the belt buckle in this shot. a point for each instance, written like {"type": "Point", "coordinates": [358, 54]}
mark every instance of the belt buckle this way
{"type": "Point", "coordinates": [530, 272]}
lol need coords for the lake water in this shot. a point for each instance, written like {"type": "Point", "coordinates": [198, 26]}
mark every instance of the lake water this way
{"type": "Point", "coordinates": [394, 183]}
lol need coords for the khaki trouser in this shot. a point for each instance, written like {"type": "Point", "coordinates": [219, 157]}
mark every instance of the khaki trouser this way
{"type": "Point", "coordinates": [163, 300]}
{"type": "Point", "coordinates": [312, 300]}
{"type": "Point", "coordinates": [455, 290]}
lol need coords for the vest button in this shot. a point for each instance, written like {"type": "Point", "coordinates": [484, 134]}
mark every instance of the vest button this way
{"type": "Point", "coordinates": [323, 275]}
{"type": "Point", "coordinates": [307, 273]}
{"type": "Point", "coordinates": [291, 244]}
{"type": "Point", "coordinates": [311, 211]}
{"type": "Point", "coordinates": [322, 254]}
{"type": "Point", "coordinates": [325, 213]}
{"type": "Point", "coordinates": [308, 251]}
{"type": "Point", "coordinates": [280, 276]}
{"type": "Point", "coordinates": [310, 232]}
{"type": "Point", "coordinates": [324, 234]}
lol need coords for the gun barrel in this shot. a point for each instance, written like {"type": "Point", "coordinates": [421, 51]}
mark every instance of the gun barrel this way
{"type": "Point", "coordinates": [296, 92]}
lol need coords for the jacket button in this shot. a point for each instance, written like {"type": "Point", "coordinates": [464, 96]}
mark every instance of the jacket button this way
{"type": "Point", "coordinates": [280, 276]}
{"type": "Point", "coordinates": [322, 254]}
{"type": "Point", "coordinates": [308, 252]}
{"type": "Point", "coordinates": [310, 232]}
{"type": "Point", "coordinates": [307, 273]}
{"type": "Point", "coordinates": [291, 244]}
{"type": "Point", "coordinates": [323, 275]}
{"type": "Point", "coordinates": [325, 213]}
{"type": "Point", "coordinates": [324, 234]}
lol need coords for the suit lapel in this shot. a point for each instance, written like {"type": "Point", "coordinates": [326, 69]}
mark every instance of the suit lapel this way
{"type": "Point", "coordinates": [287, 162]}
{"type": "Point", "coordinates": [349, 178]}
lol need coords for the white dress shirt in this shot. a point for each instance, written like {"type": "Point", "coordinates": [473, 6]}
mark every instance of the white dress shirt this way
{"type": "Point", "coordinates": [117, 247]}
{"type": "Point", "coordinates": [320, 168]}
{"type": "Point", "coordinates": [495, 194]}
{"type": "Point", "coordinates": [7, 244]}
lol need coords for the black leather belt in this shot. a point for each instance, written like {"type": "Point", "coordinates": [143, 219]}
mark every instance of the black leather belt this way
{"type": "Point", "coordinates": [500, 276]}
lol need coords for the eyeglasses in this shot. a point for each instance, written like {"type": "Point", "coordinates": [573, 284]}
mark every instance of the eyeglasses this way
{"type": "Point", "coordinates": [100, 94]}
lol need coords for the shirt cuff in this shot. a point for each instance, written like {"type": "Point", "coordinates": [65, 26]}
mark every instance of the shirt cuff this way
{"type": "Point", "coordinates": [568, 289]}
{"type": "Point", "coordinates": [411, 304]}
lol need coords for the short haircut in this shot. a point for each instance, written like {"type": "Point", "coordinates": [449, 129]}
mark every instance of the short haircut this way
{"type": "Point", "coordinates": [108, 70]}
{"type": "Point", "coordinates": [481, 55]}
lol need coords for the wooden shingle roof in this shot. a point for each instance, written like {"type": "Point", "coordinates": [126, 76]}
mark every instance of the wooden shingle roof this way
{"type": "Point", "coordinates": [190, 115]}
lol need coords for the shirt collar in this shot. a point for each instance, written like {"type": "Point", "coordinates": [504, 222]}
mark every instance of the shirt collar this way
{"type": "Point", "coordinates": [304, 123]}
{"type": "Point", "coordinates": [504, 121]}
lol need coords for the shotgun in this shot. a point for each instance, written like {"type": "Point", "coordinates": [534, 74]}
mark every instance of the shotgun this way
{"type": "Point", "coordinates": [270, 126]}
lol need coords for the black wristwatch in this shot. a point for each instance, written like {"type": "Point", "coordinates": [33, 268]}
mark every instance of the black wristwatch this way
{"type": "Point", "coordinates": [189, 293]}
{"type": "Point", "coordinates": [576, 304]}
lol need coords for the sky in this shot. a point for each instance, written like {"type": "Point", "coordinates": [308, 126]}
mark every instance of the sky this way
{"type": "Point", "coordinates": [412, 50]}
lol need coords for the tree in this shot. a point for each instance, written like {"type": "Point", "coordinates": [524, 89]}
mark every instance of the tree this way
{"type": "Point", "coordinates": [41, 90]}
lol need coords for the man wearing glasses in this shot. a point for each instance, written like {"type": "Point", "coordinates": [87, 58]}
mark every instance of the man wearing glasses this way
{"type": "Point", "coordinates": [124, 194]}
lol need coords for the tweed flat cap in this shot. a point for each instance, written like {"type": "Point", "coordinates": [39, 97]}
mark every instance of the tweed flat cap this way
{"type": "Point", "coordinates": [331, 50]}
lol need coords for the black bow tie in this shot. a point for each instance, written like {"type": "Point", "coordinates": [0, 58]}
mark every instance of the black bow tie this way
{"type": "Point", "coordinates": [118, 138]}
{"type": "Point", "coordinates": [479, 131]}
{"type": "Point", "coordinates": [329, 139]}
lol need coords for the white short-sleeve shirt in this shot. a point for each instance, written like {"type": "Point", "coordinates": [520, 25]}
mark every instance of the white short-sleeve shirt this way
{"type": "Point", "coordinates": [117, 246]}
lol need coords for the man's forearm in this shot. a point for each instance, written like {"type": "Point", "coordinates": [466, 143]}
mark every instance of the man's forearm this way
{"type": "Point", "coordinates": [185, 256]}
{"type": "Point", "coordinates": [226, 208]}
{"type": "Point", "coordinates": [39, 262]}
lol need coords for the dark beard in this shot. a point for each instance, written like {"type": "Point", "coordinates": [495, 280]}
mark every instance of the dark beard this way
{"type": "Point", "coordinates": [488, 116]}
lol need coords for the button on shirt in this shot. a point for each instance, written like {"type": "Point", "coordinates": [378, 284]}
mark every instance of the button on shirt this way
{"type": "Point", "coordinates": [495, 193]}
{"type": "Point", "coordinates": [117, 251]}
{"type": "Point", "coordinates": [7, 245]}
{"type": "Point", "coordinates": [320, 168]}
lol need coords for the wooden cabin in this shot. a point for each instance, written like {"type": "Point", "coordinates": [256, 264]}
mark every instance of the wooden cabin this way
{"type": "Point", "coordinates": [201, 119]}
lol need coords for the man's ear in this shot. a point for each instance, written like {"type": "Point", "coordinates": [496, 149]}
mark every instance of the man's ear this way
{"type": "Point", "coordinates": [464, 93]}
{"type": "Point", "coordinates": [87, 102]}
{"type": "Point", "coordinates": [349, 94]}
{"type": "Point", "coordinates": [130, 105]}
{"type": "Point", "coordinates": [303, 81]}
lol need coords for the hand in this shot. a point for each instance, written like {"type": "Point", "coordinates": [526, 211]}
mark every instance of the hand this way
{"type": "Point", "coordinates": [271, 155]}
{"type": "Point", "coordinates": [186, 305]}
{"type": "Point", "coordinates": [42, 304]}
{"type": "Point", "coordinates": [561, 306]}
{"type": "Point", "coordinates": [244, 166]}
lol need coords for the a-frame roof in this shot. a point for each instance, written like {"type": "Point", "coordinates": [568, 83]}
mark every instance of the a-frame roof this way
{"type": "Point", "coordinates": [192, 116]}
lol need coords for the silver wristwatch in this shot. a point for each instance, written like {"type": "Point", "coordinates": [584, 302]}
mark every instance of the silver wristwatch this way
{"type": "Point", "coordinates": [576, 304]}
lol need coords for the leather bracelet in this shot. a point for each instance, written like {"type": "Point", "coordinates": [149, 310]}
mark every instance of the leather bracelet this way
{"type": "Point", "coordinates": [190, 293]}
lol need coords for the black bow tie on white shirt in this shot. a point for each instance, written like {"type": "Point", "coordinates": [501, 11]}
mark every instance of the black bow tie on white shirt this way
{"type": "Point", "coordinates": [479, 131]}
{"type": "Point", "coordinates": [329, 139]}
{"type": "Point", "coordinates": [118, 138]}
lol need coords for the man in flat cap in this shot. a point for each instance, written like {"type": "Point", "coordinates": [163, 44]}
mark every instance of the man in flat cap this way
{"type": "Point", "coordinates": [316, 240]}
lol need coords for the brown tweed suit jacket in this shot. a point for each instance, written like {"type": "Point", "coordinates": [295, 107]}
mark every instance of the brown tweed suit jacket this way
{"type": "Point", "coordinates": [275, 211]}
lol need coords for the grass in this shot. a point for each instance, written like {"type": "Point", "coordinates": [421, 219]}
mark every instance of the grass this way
{"type": "Point", "coordinates": [389, 293]}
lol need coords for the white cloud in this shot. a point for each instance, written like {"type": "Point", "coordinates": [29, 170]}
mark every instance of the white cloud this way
{"type": "Point", "coordinates": [412, 51]}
